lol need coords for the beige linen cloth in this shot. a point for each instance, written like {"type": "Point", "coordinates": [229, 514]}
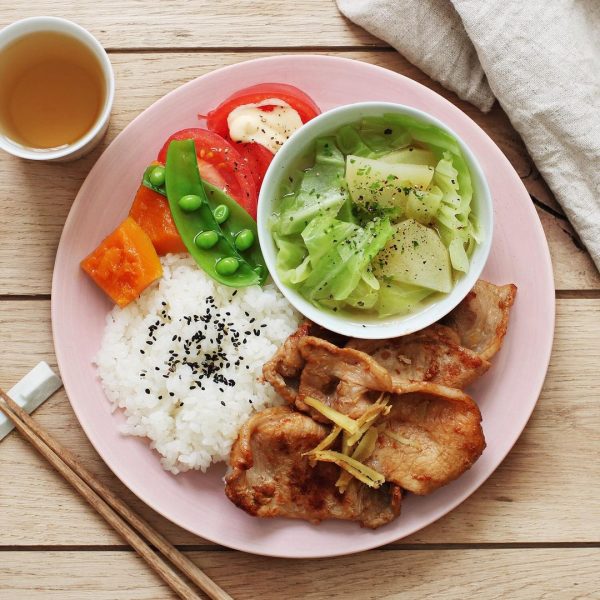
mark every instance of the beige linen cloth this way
{"type": "Point", "coordinates": [539, 58]}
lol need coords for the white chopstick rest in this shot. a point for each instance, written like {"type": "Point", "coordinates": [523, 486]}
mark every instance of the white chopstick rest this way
{"type": "Point", "coordinates": [36, 387]}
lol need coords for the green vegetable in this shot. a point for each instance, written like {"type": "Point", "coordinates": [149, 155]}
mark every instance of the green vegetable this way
{"type": "Point", "coordinates": [337, 271]}
{"type": "Point", "coordinates": [160, 189]}
{"type": "Point", "coordinates": [363, 296]}
{"type": "Point", "coordinates": [244, 239]}
{"type": "Point", "coordinates": [205, 240]}
{"type": "Point", "coordinates": [322, 191]}
{"type": "Point", "coordinates": [190, 202]}
{"type": "Point", "coordinates": [157, 176]}
{"type": "Point", "coordinates": [453, 217]}
{"type": "Point", "coordinates": [221, 213]}
{"type": "Point", "coordinates": [183, 179]}
{"type": "Point", "coordinates": [227, 266]}
{"type": "Point", "coordinates": [399, 299]}
{"type": "Point", "coordinates": [349, 141]}
{"type": "Point", "coordinates": [411, 155]}
{"type": "Point", "coordinates": [381, 222]}
{"type": "Point", "coordinates": [380, 134]}
{"type": "Point", "coordinates": [293, 265]}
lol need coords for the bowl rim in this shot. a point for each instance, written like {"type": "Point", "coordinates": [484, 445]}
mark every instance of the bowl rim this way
{"type": "Point", "coordinates": [324, 124]}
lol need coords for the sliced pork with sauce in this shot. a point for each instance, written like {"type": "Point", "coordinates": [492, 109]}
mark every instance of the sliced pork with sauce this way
{"type": "Point", "coordinates": [428, 439]}
{"type": "Point", "coordinates": [432, 354]}
{"type": "Point", "coordinates": [481, 319]}
{"type": "Point", "coordinates": [345, 379]}
{"type": "Point", "coordinates": [271, 477]}
{"type": "Point", "coordinates": [425, 433]}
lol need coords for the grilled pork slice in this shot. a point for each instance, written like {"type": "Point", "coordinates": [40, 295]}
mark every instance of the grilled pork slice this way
{"type": "Point", "coordinates": [428, 438]}
{"type": "Point", "coordinates": [481, 319]}
{"type": "Point", "coordinates": [343, 378]}
{"type": "Point", "coordinates": [283, 370]}
{"type": "Point", "coordinates": [270, 477]}
{"type": "Point", "coordinates": [432, 354]}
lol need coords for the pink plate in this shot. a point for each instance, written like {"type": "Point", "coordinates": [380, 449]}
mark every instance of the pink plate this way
{"type": "Point", "coordinates": [196, 502]}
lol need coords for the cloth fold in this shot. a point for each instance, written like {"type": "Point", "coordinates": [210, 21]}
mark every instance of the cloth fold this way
{"type": "Point", "coordinates": [540, 59]}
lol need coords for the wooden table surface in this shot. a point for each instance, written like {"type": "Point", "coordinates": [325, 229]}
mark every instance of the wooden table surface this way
{"type": "Point", "coordinates": [531, 531]}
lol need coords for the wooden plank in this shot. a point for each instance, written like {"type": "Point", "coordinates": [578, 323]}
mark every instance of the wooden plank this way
{"type": "Point", "coordinates": [530, 497]}
{"type": "Point", "coordinates": [35, 198]}
{"type": "Point", "coordinates": [407, 574]}
{"type": "Point", "coordinates": [203, 24]}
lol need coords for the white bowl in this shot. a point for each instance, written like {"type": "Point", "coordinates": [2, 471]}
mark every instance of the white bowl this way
{"type": "Point", "coordinates": [90, 140]}
{"type": "Point", "coordinates": [355, 326]}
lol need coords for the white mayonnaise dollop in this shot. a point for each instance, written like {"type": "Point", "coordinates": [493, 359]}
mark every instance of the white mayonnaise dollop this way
{"type": "Point", "coordinates": [247, 123]}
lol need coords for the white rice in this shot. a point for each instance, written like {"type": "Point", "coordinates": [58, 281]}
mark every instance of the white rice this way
{"type": "Point", "coordinates": [192, 420]}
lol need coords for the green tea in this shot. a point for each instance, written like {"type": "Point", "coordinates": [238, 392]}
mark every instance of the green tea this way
{"type": "Point", "coordinates": [51, 90]}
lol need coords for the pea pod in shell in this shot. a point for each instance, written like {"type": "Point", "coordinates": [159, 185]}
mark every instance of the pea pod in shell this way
{"type": "Point", "coordinates": [218, 256]}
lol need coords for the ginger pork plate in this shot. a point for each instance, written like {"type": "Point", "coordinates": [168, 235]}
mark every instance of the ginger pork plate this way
{"type": "Point", "coordinates": [203, 381]}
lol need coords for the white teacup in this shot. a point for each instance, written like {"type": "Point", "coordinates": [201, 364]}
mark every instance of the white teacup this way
{"type": "Point", "coordinates": [11, 34]}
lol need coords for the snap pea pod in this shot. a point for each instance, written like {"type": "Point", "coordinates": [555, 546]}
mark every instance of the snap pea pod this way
{"type": "Point", "coordinates": [222, 261]}
{"type": "Point", "coordinates": [236, 225]}
{"type": "Point", "coordinates": [147, 179]}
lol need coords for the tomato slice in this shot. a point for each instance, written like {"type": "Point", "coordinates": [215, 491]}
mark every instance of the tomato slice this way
{"type": "Point", "coordinates": [220, 164]}
{"type": "Point", "coordinates": [216, 120]}
{"type": "Point", "coordinates": [258, 159]}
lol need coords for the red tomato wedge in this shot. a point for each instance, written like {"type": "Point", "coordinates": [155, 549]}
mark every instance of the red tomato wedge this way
{"type": "Point", "coordinates": [221, 165]}
{"type": "Point", "coordinates": [258, 158]}
{"type": "Point", "coordinates": [216, 120]}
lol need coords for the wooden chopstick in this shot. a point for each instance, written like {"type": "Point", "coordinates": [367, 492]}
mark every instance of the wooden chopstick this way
{"type": "Point", "coordinates": [127, 523]}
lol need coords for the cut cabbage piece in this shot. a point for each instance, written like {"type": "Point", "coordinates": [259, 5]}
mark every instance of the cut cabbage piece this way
{"type": "Point", "coordinates": [411, 155]}
{"type": "Point", "coordinates": [458, 255]}
{"type": "Point", "coordinates": [322, 191]}
{"type": "Point", "coordinates": [340, 267]}
{"type": "Point", "coordinates": [416, 255]}
{"type": "Point", "coordinates": [454, 218]}
{"type": "Point", "coordinates": [399, 298]}
{"type": "Point", "coordinates": [363, 296]}
{"type": "Point", "coordinates": [349, 141]}
{"type": "Point", "coordinates": [322, 233]}
{"type": "Point", "coordinates": [293, 263]}
{"type": "Point", "coordinates": [377, 133]}
{"type": "Point", "coordinates": [378, 185]}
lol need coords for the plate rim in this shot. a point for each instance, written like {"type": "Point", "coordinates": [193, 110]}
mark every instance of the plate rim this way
{"type": "Point", "coordinates": [366, 543]}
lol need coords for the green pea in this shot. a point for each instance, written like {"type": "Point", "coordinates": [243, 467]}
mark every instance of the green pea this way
{"type": "Point", "coordinates": [221, 213]}
{"type": "Point", "coordinates": [205, 240]}
{"type": "Point", "coordinates": [227, 266]}
{"type": "Point", "coordinates": [190, 203]}
{"type": "Point", "coordinates": [157, 176]}
{"type": "Point", "coordinates": [244, 239]}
